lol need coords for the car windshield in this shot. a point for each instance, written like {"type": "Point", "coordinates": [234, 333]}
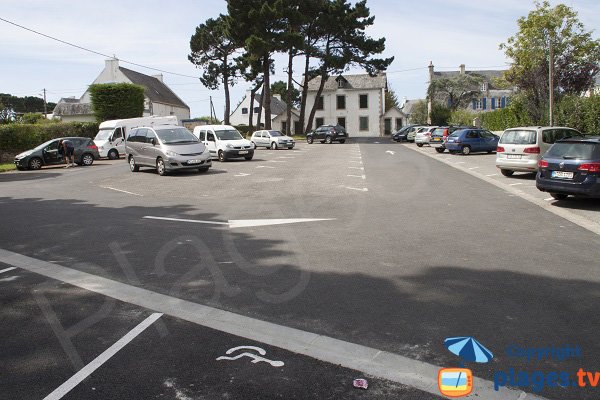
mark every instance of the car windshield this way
{"type": "Point", "coordinates": [175, 135]}
{"type": "Point", "coordinates": [574, 151]}
{"type": "Point", "coordinates": [43, 145]}
{"type": "Point", "coordinates": [518, 137]}
{"type": "Point", "coordinates": [228, 134]}
{"type": "Point", "coordinates": [276, 133]}
{"type": "Point", "coordinates": [439, 132]}
{"type": "Point", "coordinates": [104, 134]}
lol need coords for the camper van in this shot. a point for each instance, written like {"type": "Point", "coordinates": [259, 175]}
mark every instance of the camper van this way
{"type": "Point", "coordinates": [111, 136]}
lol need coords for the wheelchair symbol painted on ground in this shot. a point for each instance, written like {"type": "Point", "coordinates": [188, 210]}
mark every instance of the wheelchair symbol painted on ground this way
{"type": "Point", "coordinates": [255, 358]}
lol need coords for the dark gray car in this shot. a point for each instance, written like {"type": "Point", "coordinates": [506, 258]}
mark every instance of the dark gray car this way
{"type": "Point", "coordinates": [47, 154]}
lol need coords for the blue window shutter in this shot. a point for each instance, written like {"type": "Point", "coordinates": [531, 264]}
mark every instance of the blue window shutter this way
{"type": "Point", "coordinates": [484, 103]}
{"type": "Point", "coordinates": [503, 102]}
{"type": "Point", "coordinates": [493, 103]}
{"type": "Point", "coordinates": [474, 104]}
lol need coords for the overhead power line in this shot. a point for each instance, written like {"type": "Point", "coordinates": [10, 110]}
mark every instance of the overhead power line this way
{"type": "Point", "coordinates": [93, 51]}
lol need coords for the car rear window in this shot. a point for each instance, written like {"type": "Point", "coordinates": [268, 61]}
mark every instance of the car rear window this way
{"type": "Point", "coordinates": [574, 151]}
{"type": "Point", "coordinates": [518, 137]}
{"type": "Point", "coordinates": [439, 132]}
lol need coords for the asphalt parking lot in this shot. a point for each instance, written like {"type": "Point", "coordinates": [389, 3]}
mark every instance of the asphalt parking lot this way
{"type": "Point", "coordinates": [342, 261]}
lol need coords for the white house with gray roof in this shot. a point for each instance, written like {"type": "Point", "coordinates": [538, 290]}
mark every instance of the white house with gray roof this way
{"type": "Point", "coordinates": [159, 99]}
{"type": "Point", "coordinates": [356, 102]}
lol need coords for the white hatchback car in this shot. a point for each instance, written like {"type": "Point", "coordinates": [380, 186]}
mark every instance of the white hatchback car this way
{"type": "Point", "coordinates": [520, 149]}
{"type": "Point", "coordinates": [423, 135]}
{"type": "Point", "coordinates": [272, 140]}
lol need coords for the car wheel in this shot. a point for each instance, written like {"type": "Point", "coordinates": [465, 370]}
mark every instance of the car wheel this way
{"type": "Point", "coordinates": [506, 172]}
{"type": "Point", "coordinates": [419, 144]}
{"type": "Point", "coordinates": [87, 159]}
{"type": "Point", "coordinates": [221, 156]}
{"type": "Point", "coordinates": [113, 154]}
{"type": "Point", "coordinates": [132, 165]}
{"type": "Point", "coordinates": [274, 146]}
{"type": "Point", "coordinates": [440, 149]}
{"type": "Point", "coordinates": [203, 169]}
{"type": "Point", "coordinates": [35, 163]}
{"type": "Point", "coordinates": [466, 150]}
{"type": "Point", "coordinates": [559, 196]}
{"type": "Point", "coordinates": [254, 145]}
{"type": "Point", "coordinates": [248, 158]}
{"type": "Point", "coordinates": [160, 167]}
{"type": "Point", "coordinates": [342, 141]}
{"type": "Point", "coordinates": [309, 139]}
{"type": "Point", "coordinates": [328, 139]}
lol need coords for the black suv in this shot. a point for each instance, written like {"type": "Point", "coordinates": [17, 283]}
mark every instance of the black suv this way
{"type": "Point", "coordinates": [47, 154]}
{"type": "Point", "coordinates": [327, 134]}
{"type": "Point", "coordinates": [440, 135]}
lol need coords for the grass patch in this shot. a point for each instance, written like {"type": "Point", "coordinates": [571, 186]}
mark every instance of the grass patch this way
{"type": "Point", "coordinates": [7, 167]}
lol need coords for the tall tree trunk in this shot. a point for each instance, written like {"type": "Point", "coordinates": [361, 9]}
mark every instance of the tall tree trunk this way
{"type": "Point", "coordinates": [267, 91]}
{"type": "Point", "coordinates": [288, 125]}
{"type": "Point", "coordinates": [251, 111]}
{"type": "Point", "coordinates": [324, 77]}
{"type": "Point", "coordinates": [227, 99]}
{"type": "Point", "coordinates": [304, 95]}
{"type": "Point", "coordinates": [260, 106]}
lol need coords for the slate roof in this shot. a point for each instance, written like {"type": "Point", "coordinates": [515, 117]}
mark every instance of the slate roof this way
{"type": "Point", "coordinates": [70, 106]}
{"type": "Point", "coordinates": [155, 90]}
{"type": "Point", "coordinates": [409, 105]}
{"type": "Point", "coordinates": [358, 81]}
{"type": "Point", "coordinates": [277, 106]}
{"type": "Point", "coordinates": [488, 74]}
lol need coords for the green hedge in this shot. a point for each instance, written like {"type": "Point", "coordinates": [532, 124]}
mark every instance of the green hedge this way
{"type": "Point", "coordinates": [15, 138]}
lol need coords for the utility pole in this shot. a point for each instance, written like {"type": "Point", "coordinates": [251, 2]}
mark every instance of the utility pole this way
{"type": "Point", "coordinates": [551, 80]}
{"type": "Point", "coordinates": [211, 110]}
{"type": "Point", "coordinates": [45, 105]}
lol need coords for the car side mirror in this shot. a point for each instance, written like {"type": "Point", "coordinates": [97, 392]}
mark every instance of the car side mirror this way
{"type": "Point", "coordinates": [153, 141]}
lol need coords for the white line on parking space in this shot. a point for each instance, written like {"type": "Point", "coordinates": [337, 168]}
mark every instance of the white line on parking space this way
{"type": "Point", "coordinates": [242, 174]}
{"type": "Point", "coordinates": [186, 220]}
{"type": "Point", "coordinates": [549, 199]}
{"type": "Point", "coordinates": [277, 161]}
{"type": "Point", "coordinates": [460, 162]}
{"type": "Point", "coordinates": [361, 168]}
{"type": "Point", "coordinates": [7, 270]}
{"type": "Point", "coordinates": [358, 176]}
{"type": "Point", "coordinates": [472, 168]}
{"type": "Point", "coordinates": [243, 223]}
{"type": "Point", "coordinates": [122, 191]}
{"type": "Point", "coordinates": [358, 189]}
{"type": "Point", "coordinates": [101, 359]}
{"type": "Point", "coordinates": [265, 166]}
{"type": "Point", "coordinates": [490, 175]}
{"type": "Point", "coordinates": [370, 361]}
{"type": "Point", "coordinates": [356, 162]}
{"type": "Point", "coordinates": [515, 184]}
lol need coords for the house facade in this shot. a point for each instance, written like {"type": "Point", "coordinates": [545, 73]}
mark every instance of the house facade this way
{"type": "Point", "coordinates": [492, 97]}
{"type": "Point", "coordinates": [159, 99]}
{"type": "Point", "coordinates": [356, 102]}
{"type": "Point", "coordinates": [241, 114]}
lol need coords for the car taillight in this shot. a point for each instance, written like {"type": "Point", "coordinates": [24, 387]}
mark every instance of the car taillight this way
{"type": "Point", "coordinates": [543, 164]}
{"type": "Point", "coordinates": [92, 146]}
{"type": "Point", "coordinates": [590, 167]}
{"type": "Point", "coordinates": [532, 150]}
{"type": "Point", "coordinates": [500, 149]}
{"type": "Point", "coordinates": [428, 134]}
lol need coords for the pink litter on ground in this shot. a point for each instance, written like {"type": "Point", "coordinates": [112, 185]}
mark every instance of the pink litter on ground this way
{"type": "Point", "coordinates": [360, 383]}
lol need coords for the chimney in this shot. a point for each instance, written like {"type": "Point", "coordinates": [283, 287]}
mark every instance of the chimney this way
{"type": "Point", "coordinates": [462, 69]}
{"type": "Point", "coordinates": [159, 77]}
{"type": "Point", "coordinates": [404, 101]}
{"type": "Point", "coordinates": [430, 71]}
{"type": "Point", "coordinates": [112, 66]}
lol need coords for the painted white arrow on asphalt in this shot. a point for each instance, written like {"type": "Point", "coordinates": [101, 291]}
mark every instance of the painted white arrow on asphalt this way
{"type": "Point", "coordinates": [391, 152]}
{"type": "Point", "coordinates": [243, 223]}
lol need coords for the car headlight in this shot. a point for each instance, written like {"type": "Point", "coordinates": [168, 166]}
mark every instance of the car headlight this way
{"type": "Point", "coordinates": [229, 146]}
{"type": "Point", "coordinates": [23, 155]}
{"type": "Point", "coordinates": [171, 153]}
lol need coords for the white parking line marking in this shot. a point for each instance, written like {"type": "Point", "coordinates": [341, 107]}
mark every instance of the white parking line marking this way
{"type": "Point", "coordinates": [361, 168]}
{"type": "Point", "coordinates": [122, 191]}
{"type": "Point", "coordinates": [277, 161]}
{"type": "Point", "coordinates": [549, 199]}
{"type": "Point", "coordinates": [391, 152]}
{"type": "Point", "coordinates": [371, 361]}
{"type": "Point", "coordinates": [101, 359]}
{"type": "Point", "coordinates": [472, 168]}
{"type": "Point", "coordinates": [242, 174]}
{"type": "Point", "coordinates": [356, 162]}
{"type": "Point", "coordinates": [460, 162]}
{"type": "Point", "coordinates": [186, 220]}
{"type": "Point", "coordinates": [7, 270]}
{"type": "Point", "coordinates": [490, 175]}
{"type": "Point", "coordinates": [358, 189]}
{"type": "Point", "coordinates": [515, 184]}
{"type": "Point", "coordinates": [358, 176]}
{"type": "Point", "coordinates": [265, 166]}
{"type": "Point", "coordinates": [243, 223]}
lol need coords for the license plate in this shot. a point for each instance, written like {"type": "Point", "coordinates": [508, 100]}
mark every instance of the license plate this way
{"type": "Point", "coordinates": [514, 156]}
{"type": "Point", "coordinates": [243, 152]}
{"type": "Point", "coordinates": [436, 140]}
{"type": "Point", "coordinates": [194, 161]}
{"type": "Point", "coordinates": [562, 175]}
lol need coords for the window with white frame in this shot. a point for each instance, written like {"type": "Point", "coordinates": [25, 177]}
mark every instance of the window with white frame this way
{"type": "Point", "coordinates": [499, 102]}
{"type": "Point", "coordinates": [478, 104]}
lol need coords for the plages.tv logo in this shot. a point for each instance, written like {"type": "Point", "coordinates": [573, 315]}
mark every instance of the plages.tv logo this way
{"type": "Point", "coordinates": [458, 382]}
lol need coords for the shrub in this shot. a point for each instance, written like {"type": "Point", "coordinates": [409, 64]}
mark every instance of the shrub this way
{"type": "Point", "coordinates": [15, 138]}
{"type": "Point", "coordinates": [117, 100]}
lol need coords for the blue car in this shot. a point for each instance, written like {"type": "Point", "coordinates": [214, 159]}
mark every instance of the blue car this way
{"type": "Point", "coordinates": [467, 141]}
{"type": "Point", "coordinates": [571, 167]}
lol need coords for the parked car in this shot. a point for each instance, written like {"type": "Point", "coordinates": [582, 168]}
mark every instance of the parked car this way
{"type": "Point", "coordinates": [520, 149]}
{"type": "Point", "coordinates": [406, 133]}
{"type": "Point", "coordinates": [423, 135]}
{"type": "Point", "coordinates": [224, 142]}
{"type": "Point", "coordinates": [271, 139]}
{"type": "Point", "coordinates": [571, 167]}
{"type": "Point", "coordinates": [467, 141]}
{"type": "Point", "coordinates": [440, 135]}
{"type": "Point", "coordinates": [327, 134]}
{"type": "Point", "coordinates": [47, 154]}
{"type": "Point", "coordinates": [166, 148]}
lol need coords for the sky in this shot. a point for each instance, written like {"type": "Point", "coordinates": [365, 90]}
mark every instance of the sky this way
{"type": "Point", "coordinates": [156, 34]}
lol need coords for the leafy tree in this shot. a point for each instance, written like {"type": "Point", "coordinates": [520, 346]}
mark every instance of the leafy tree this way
{"type": "Point", "coordinates": [280, 87]}
{"type": "Point", "coordinates": [214, 50]}
{"type": "Point", "coordinates": [576, 56]}
{"type": "Point", "coordinates": [117, 100]}
{"type": "Point", "coordinates": [28, 104]}
{"type": "Point", "coordinates": [391, 100]}
{"type": "Point", "coordinates": [457, 91]}
{"type": "Point", "coordinates": [418, 113]}
{"type": "Point", "coordinates": [439, 114]}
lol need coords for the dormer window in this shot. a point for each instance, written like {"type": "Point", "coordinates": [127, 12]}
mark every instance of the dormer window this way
{"type": "Point", "coordinates": [341, 82]}
{"type": "Point", "coordinates": [484, 86]}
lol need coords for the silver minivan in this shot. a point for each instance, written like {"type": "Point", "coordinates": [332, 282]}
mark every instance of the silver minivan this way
{"type": "Point", "coordinates": [520, 149]}
{"type": "Point", "coordinates": [166, 148]}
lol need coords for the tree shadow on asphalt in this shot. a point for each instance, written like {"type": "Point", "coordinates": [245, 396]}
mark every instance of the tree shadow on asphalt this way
{"type": "Point", "coordinates": [26, 176]}
{"type": "Point", "coordinates": [407, 314]}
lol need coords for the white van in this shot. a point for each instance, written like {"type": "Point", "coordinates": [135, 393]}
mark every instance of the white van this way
{"type": "Point", "coordinates": [110, 139]}
{"type": "Point", "coordinates": [224, 142]}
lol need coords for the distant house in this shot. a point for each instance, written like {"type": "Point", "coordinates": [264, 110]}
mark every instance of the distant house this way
{"type": "Point", "coordinates": [407, 108]}
{"type": "Point", "coordinates": [393, 120]}
{"type": "Point", "coordinates": [596, 89]}
{"type": "Point", "coordinates": [159, 99]}
{"type": "Point", "coordinates": [356, 102]}
{"type": "Point", "coordinates": [492, 98]}
{"type": "Point", "coordinates": [241, 114]}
